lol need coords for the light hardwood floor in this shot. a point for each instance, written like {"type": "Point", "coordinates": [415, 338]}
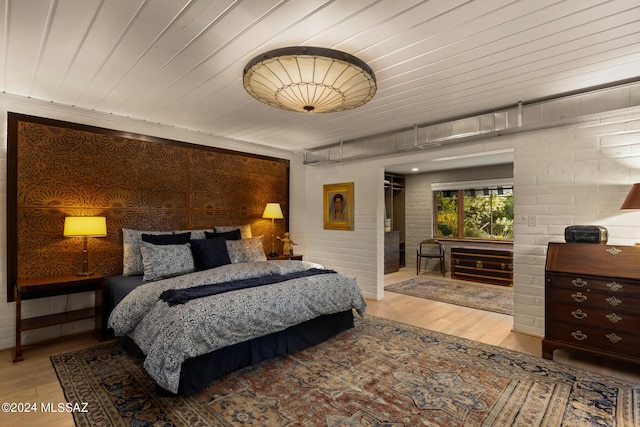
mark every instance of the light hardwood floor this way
{"type": "Point", "coordinates": [34, 380]}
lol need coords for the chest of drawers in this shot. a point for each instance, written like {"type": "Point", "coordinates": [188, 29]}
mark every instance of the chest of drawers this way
{"type": "Point", "coordinates": [484, 265]}
{"type": "Point", "coordinates": [592, 300]}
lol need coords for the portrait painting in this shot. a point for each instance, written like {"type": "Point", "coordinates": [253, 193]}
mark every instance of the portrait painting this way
{"type": "Point", "coordinates": [338, 206]}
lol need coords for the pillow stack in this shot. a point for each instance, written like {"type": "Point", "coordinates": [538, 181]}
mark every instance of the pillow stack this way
{"type": "Point", "coordinates": [158, 255]}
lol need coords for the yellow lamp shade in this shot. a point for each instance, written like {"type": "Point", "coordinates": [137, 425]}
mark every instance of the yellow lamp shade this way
{"type": "Point", "coordinates": [272, 211]}
{"type": "Point", "coordinates": [85, 226]}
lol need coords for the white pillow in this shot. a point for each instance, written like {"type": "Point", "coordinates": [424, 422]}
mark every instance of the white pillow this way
{"type": "Point", "coordinates": [246, 250]}
{"type": "Point", "coordinates": [162, 261]}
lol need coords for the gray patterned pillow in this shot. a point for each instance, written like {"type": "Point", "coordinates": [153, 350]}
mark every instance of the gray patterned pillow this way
{"type": "Point", "coordinates": [162, 261]}
{"type": "Point", "coordinates": [131, 255]}
{"type": "Point", "coordinates": [246, 250]}
{"type": "Point", "coordinates": [245, 230]}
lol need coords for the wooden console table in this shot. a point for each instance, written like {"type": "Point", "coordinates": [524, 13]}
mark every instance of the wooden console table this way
{"type": "Point", "coordinates": [484, 265]}
{"type": "Point", "coordinates": [41, 287]}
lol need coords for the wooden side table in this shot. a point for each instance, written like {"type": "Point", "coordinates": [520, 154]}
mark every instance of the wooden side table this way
{"type": "Point", "coordinates": [41, 287]}
{"type": "Point", "coordinates": [281, 257]}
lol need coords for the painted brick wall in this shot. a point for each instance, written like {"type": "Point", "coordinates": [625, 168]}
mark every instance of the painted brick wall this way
{"type": "Point", "coordinates": [570, 176]}
{"type": "Point", "coordinates": [354, 252]}
{"type": "Point", "coordinates": [564, 176]}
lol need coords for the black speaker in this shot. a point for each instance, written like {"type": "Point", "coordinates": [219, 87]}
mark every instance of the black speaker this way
{"type": "Point", "coordinates": [586, 234]}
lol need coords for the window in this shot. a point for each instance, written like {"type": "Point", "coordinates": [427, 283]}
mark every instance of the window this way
{"type": "Point", "coordinates": [474, 213]}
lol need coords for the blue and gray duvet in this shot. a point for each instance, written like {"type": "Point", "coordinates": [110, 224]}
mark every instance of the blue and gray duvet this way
{"type": "Point", "coordinates": [168, 335]}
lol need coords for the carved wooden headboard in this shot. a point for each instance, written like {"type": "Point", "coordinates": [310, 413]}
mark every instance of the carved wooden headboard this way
{"type": "Point", "coordinates": [57, 169]}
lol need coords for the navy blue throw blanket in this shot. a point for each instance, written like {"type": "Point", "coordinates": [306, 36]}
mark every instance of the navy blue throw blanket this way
{"type": "Point", "coordinates": [182, 296]}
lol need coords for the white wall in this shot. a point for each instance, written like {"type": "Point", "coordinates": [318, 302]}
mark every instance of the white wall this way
{"type": "Point", "coordinates": [354, 252]}
{"type": "Point", "coordinates": [564, 176]}
{"type": "Point", "coordinates": [571, 176]}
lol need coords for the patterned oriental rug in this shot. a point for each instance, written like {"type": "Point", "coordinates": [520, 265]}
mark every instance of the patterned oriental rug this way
{"type": "Point", "coordinates": [498, 299]}
{"type": "Point", "coordinates": [381, 373]}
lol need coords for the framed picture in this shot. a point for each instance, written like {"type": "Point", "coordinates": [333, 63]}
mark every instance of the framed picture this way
{"type": "Point", "coordinates": [338, 206]}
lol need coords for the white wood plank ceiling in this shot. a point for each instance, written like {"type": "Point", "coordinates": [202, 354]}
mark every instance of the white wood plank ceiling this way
{"type": "Point", "coordinates": [180, 62]}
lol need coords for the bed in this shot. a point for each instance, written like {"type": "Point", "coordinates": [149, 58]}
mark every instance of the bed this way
{"type": "Point", "coordinates": [195, 318]}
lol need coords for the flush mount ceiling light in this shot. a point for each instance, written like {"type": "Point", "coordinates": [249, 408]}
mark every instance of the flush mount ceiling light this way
{"type": "Point", "coordinates": [309, 79]}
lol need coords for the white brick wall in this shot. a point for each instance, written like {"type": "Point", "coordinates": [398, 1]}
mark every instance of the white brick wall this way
{"type": "Point", "coordinates": [570, 176]}
{"type": "Point", "coordinates": [563, 176]}
{"type": "Point", "coordinates": [354, 252]}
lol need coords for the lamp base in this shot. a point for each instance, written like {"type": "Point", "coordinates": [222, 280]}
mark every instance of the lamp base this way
{"type": "Point", "coordinates": [82, 273]}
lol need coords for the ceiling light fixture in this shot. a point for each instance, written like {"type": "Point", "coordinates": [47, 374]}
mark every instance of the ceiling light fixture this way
{"type": "Point", "coordinates": [309, 79]}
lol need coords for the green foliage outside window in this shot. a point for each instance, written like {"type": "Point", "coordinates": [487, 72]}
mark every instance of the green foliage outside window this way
{"type": "Point", "coordinates": [487, 213]}
{"type": "Point", "coordinates": [447, 214]}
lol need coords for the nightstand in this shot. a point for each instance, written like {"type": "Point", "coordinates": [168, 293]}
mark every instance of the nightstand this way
{"type": "Point", "coordinates": [281, 257]}
{"type": "Point", "coordinates": [41, 287]}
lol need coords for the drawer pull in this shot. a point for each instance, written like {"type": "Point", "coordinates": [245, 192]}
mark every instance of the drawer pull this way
{"type": "Point", "coordinates": [613, 318]}
{"type": "Point", "coordinates": [579, 314]}
{"type": "Point", "coordinates": [578, 297]}
{"type": "Point", "coordinates": [613, 301]}
{"type": "Point", "coordinates": [579, 335]}
{"type": "Point", "coordinates": [579, 282]}
{"type": "Point", "coordinates": [614, 338]}
{"type": "Point", "coordinates": [614, 286]}
{"type": "Point", "coordinates": [614, 251]}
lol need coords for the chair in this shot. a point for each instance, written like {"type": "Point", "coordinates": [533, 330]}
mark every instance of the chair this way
{"type": "Point", "coordinates": [429, 249]}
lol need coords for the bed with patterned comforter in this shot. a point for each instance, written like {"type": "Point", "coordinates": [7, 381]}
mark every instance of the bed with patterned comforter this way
{"type": "Point", "coordinates": [170, 334]}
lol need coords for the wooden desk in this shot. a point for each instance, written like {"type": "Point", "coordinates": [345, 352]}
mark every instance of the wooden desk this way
{"type": "Point", "coordinates": [41, 287]}
{"type": "Point", "coordinates": [592, 300]}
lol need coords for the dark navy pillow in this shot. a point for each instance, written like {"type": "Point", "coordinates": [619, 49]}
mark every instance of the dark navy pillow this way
{"type": "Point", "coordinates": [167, 239]}
{"type": "Point", "coordinates": [229, 235]}
{"type": "Point", "coordinates": [210, 253]}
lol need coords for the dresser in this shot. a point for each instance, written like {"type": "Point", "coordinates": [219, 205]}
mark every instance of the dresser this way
{"type": "Point", "coordinates": [391, 251]}
{"type": "Point", "coordinates": [480, 264]}
{"type": "Point", "coordinates": [592, 300]}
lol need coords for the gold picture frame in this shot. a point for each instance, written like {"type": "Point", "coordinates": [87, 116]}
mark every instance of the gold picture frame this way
{"type": "Point", "coordinates": [338, 206]}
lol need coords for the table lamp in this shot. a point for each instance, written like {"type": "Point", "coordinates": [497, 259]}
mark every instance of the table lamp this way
{"type": "Point", "coordinates": [632, 201]}
{"type": "Point", "coordinates": [272, 211]}
{"type": "Point", "coordinates": [85, 227]}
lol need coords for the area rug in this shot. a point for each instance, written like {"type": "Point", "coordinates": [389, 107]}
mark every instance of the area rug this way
{"type": "Point", "coordinates": [498, 299]}
{"type": "Point", "coordinates": [380, 373]}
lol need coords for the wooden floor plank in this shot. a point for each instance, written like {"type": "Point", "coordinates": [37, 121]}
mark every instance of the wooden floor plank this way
{"type": "Point", "coordinates": [34, 380]}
